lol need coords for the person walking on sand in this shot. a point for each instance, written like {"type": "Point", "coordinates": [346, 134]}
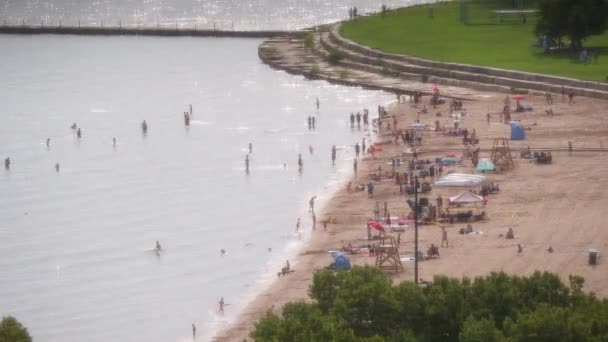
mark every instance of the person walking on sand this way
{"type": "Point", "coordinates": [363, 146]}
{"type": "Point", "coordinates": [193, 330]}
{"type": "Point", "coordinates": [352, 120]}
{"type": "Point", "coordinates": [355, 166]}
{"type": "Point", "coordinates": [357, 150]}
{"type": "Point", "coordinates": [333, 155]}
{"type": "Point", "coordinates": [444, 237]}
{"type": "Point", "coordinates": [314, 221]}
{"type": "Point", "coordinates": [520, 250]}
{"type": "Point", "coordinates": [318, 104]}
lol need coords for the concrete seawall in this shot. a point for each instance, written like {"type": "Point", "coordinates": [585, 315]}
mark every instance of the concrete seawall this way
{"type": "Point", "coordinates": [143, 31]}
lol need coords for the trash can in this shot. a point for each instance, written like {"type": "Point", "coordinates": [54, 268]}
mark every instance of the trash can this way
{"type": "Point", "coordinates": [593, 254]}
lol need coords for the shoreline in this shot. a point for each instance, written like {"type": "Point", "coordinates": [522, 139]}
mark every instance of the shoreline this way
{"type": "Point", "coordinates": [527, 195]}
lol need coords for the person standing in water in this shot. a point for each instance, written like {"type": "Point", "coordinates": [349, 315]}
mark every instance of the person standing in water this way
{"type": "Point", "coordinates": [144, 127]}
{"type": "Point", "coordinates": [114, 142]}
{"type": "Point", "coordinates": [57, 167]}
{"type": "Point", "coordinates": [78, 133]}
{"type": "Point", "coordinates": [311, 204]}
{"type": "Point", "coordinates": [48, 142]}
{"type": "Point", "coordinates": [190, 109]}
{"type": "Point", "coordinates": [355, 166]}
{"type": "Point", "coordinates": [193, 330]}
{"type": "Point", "coordinates": [7, 163]}
{"type": "Point", "coordinates": [298, 225]}
{"type": "Point", "coordinates": [158, 247]}
{"type": "Point", "coordinates": [314, 123]}
{"type": "Point", "coordinates": [333, 155]}
{"type": "Point", "coordinates": [221, 302]}
{"type": "Point", "coordinates": [363, 146]}
{"type": "Point", "coordinates": [300, 162]}
{"type": "Point", "coordinates": [250, 148]}
{"type": "Point", "coordinates": [318, 104]}
{"type": "Point", "coordinates": [186, 119]}
{"type": "Point", "coordinates": [310, 149]}
{"type": "Point", "coordinates": [247, 163]}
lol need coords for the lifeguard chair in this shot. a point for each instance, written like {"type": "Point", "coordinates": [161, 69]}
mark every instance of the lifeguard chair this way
{"type": "Point", "coordinates": [387, 254]}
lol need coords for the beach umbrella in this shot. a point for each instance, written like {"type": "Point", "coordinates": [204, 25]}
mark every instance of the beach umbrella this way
{"type": "Point", "coordinates": [450, 160]}
{"type": "Point", "coordinates": [418, 125]}
{"type": "Point", "coordinates": [450, 154]}
{"type": "Point", "coordinates": [377, 226]}
{"type": "Point", "coordinates": [434, 87]}
{"type": "Point", "coordinates": [485, 164]}
{"type": "Point", "coordinates": [518, 97]}
{"type": "Point", "coordinates": [341, 260]}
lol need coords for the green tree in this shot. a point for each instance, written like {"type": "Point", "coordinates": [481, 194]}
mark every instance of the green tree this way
{"type": "Point", "coordinates": [548, 324]}
{"type": "Point", "coordinates": [576, 19]}
{"type": "Point", "coordinates": [12, 331]}
{"type": "Point", "coordinates": [480, 331]}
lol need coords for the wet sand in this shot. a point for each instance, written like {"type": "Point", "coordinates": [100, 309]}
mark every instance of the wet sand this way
{"type": "Point", "coordinates": [559, 205]}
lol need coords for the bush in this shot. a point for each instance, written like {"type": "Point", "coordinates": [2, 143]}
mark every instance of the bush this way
{"type": "Point", "coordinates": [335, 56]}
{"type": "Point", "coordinates": [309, 42]}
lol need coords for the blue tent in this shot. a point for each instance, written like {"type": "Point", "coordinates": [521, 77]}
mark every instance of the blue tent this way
{"type": "Point", "coordinates": [517, 131]}
{"type": "Point", "coordinates": [342, 262]}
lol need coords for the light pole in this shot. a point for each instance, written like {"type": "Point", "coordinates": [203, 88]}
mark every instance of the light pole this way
{"type": "Point", "coordinates": [416, 230]}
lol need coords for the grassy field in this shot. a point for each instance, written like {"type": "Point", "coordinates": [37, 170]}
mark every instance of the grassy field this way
{"type": "Point", "coordinates": [411, 31]}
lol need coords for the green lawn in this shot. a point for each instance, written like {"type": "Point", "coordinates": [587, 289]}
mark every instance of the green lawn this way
{"type": "Point", "coordinates": [411, 31]}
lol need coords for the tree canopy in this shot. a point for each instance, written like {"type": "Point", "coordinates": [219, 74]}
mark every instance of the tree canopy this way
{"type": "Point", "coordinates": [575, 19]}
{"type": "Point", "coordinates": [363, 305]}
{"type": "Point", "coordinates": [12, 331]}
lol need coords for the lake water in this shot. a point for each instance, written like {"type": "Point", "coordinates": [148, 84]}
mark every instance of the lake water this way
{"type": "Point", "coordinates": [224, 14]}
{"type": "Point", "coordinates": [75, 260]}
{"type": "Point", "coordinates": [75, 255]}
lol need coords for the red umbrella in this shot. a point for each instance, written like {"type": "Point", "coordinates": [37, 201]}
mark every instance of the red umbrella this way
{"type": "Point", "coordinates": [518, 97]}
{"type": "Point", "coordinates": [377, 226]}
{"type": "Point", "coordinates": [453, 155]}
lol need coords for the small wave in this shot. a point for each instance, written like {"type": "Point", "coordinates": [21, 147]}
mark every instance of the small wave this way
{"type": "Point", "coordinates": [200, 123]}
{"type": "Point", "coordinates": [239, 128]}
{"type": "Point", "coordinates": [274, 130]}
{"type": "Point", "coordinates": [99, 110]}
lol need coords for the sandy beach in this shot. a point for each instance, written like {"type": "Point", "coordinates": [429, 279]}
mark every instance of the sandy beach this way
{"type": "Point", "coordinates": [559, 205]}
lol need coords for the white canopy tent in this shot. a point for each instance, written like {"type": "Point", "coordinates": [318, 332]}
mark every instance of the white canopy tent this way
{"type": "Point", "coordinates": [466, 197]}
{"type": "Point", "coordinates": [461, 179]}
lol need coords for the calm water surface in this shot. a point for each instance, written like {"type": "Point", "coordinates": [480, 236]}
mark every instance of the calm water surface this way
{"type": "Point", "coordinates": [75, 258]}
{"type": "Point", "coordinates": [224, 14]}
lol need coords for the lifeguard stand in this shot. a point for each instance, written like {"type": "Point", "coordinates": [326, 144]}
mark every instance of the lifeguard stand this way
{"type": "Point", "coordinates": [387, 255]}
{"type": "Point", "coordinates": [501, 153]}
